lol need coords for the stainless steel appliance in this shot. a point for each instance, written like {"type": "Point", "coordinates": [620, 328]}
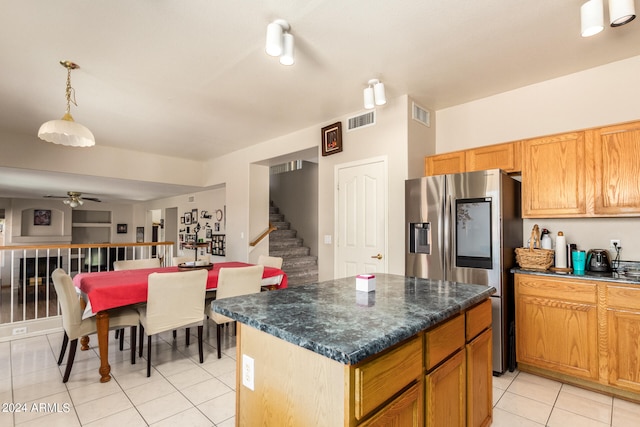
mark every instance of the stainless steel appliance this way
{"type": "Point", "coordinates": [465, 228]}
{"type": "Point", "coordinates": [598, 260]}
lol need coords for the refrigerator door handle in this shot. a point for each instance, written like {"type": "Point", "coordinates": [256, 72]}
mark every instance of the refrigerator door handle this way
{"type": "Point", "coordinates": [447, 220]}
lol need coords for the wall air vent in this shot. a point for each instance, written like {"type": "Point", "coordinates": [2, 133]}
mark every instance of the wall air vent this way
{"type": "Point", "coordinates": [361, 121]}
{"type": "Point", "coordinates": [191, 199]}
{"type": "Point", "coordinates": [421, 115]}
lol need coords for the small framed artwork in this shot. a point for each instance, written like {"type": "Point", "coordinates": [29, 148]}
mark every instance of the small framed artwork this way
{"type": "Point", "coordinates": [139, 234]}
{"type": "Point", "coordinates": [182, 220]}
{"type": "Point", "coordinates": [121, 228]}
{"type": "Point", "coordinates": [208, 233]}
{"type": "Point", "coordinates": [217, 226]}
{"type": "Point", "coordinates": [42, 217]}
{"type": "Point", "coordinates": [332, 139]}
{"type": "Point", "coordinates": [194, 216]}
{"type": "Point", "coordinates": [187, 217]}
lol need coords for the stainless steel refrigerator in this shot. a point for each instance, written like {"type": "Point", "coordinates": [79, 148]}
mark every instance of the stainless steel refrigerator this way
{"type": "Point", "coordinates": [465, 228]}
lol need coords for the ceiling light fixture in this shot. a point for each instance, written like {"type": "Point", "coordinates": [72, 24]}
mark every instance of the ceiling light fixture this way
{"type": "Point", "coordinates": [592, 15]}
{"type": "Point", "coordinates": [374, 94]}
{"type": "Point", "coordinates": [280, 41]}
{"type": "Point", "coordinates": [74, 199]}
{"type": "Point", "coordinates": [66, 131]}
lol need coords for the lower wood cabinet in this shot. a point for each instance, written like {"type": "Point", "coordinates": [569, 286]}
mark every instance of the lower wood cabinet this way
{"type": "Point", "coordinates": [479, 380]}
{"type": "Point", "coordinates": [405, 410]}
{"type": "Point", "coordinates": [446, 393]}
{"type": "Point", "coordinates": [580, 331]}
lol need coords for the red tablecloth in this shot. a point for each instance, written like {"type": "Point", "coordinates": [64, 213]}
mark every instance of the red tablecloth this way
{"type": "Point", "coordinates": [111, 289]}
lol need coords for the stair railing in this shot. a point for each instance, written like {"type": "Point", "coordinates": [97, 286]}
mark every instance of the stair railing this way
{"type": "Point", "coordinates": [264, 234]}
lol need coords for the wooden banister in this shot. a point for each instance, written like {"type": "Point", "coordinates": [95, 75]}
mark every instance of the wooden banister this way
{"type": "Point", "coordinates": [263, 235]}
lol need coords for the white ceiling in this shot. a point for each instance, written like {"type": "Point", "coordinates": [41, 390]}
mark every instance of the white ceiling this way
{"type": "Point", "coordinates": [191, 79]}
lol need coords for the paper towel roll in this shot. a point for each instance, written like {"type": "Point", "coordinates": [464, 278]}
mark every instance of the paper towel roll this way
{"type": "Point", "coordinates": [561, 250]}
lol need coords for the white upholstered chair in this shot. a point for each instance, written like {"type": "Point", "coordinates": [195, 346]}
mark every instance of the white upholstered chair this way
{"type": "Point", "coordinates": [270, 261]}
{"type": "Point", "coordinates": [134, 264]}
{"type": "Point", "coordinates": [174, 300]}
{"type": "Point", "coordinates": [234, 282]}
{"type": "Point", "coordinates": [75, 326]}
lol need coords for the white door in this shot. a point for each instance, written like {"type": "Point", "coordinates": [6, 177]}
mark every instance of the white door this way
{"type": "Point", "coordinates": [361, 220]}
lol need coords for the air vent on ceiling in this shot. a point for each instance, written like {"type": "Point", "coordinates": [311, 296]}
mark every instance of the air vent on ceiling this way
{"type": "Point", "coordinates": [421, 115]}
{"type": "Point", "coordinates": [363, 120]}
{"type": "Point", "coordinates": [286, 167]}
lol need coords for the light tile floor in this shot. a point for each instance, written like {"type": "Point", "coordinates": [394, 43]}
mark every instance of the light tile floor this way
{"type": "Point", "coordinates": [182, 391]}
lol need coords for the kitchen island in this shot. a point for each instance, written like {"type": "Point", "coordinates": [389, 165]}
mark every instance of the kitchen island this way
{"type": "Point", "coordinates": [327, 355]}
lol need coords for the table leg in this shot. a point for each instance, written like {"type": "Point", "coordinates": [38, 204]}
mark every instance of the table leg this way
{"type": "Point", "coordinates": [84, 341]}
{"type": "Point", "coordinates": [102, 325]}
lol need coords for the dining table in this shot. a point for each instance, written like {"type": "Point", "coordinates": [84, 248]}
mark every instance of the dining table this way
{"type": "Point", "coordinates": [106, 290]}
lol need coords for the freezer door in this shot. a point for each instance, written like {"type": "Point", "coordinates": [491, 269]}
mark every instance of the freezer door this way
{"type": "Point", "coordinates": [424, 212]}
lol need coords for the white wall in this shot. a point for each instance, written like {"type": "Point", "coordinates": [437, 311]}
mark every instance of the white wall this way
{"type": "Point", "coordinates": [601, 96]}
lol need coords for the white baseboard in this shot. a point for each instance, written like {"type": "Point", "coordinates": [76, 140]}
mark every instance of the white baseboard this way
{"type": "Point", "coordinates": [30, 328]}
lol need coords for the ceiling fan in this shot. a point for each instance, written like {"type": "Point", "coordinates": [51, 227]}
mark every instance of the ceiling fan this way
{"type": "Point", "coordinates": [74, 199]}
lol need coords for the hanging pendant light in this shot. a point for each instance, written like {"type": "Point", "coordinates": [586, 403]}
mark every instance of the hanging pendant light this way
{"type": "Point", "coordinates": [66, 131]}
{"type": "Point", "coordinates": [280, 41]}
{"type": "Point", "coordinates": [621, 12]}
{"type": "Point", "coordinates": [374, 94]}
{"type": "Point", "coordinates": [591, 18]}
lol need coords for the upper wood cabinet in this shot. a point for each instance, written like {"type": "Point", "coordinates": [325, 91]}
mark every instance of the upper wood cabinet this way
{"type": "Point", "coordinates": [553, 176]}
{"type": "Point", "coordinates": [505, 156]}
{"type": "Point", "coordinates": [616, 159]}
{"type": "Point", "coordinates": [441, 164]}
{"type": "Point", "coordinates": [499, 156]}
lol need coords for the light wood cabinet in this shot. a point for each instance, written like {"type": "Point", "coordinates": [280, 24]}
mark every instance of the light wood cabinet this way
{"type": "Point", "coordinates": [553, 176]}
{"type": "Point", "coordinates": [405, 410]}
{"type": "Point", "coordinates": [616, 159]}
{"type": "Point", "coordinates": [441, 164]}
{"type": "Point", "coordinates": [557, 324]}
{"type": "Point", "coordinates": [505, 156]}
{"type": "Point", "coordinates": [623, 340]}
{"type": "Point", "coordinates": [446, 393]}
{"type": "Point", "coordinates": [580, 331]}
{"type": "Point", "coordinates": [479, 365]}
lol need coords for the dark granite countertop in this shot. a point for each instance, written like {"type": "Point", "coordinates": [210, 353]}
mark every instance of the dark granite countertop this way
{"type": "Point", "coordinates": [616, 277]}
{"type": "Point", "coordinates": [333, 319]}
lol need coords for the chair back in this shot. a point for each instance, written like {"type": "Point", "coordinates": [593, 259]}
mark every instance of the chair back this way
{"type": "Point", "coordinates": [233, 282]}
{"type": "Point", "coordinates": [270, 261]}
{"type": "Point", "coordinates": [134, 264]}
{"type": "Point", "coordinates": [175, 300]}
{"type": "Point", "coordinates": [69, 301]}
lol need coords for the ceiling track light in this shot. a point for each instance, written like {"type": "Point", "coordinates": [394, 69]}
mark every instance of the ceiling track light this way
{"type": "Point", "coordinates": [374, 94]}
{"type": "Point", "coordinates": [66, 131]}
{"type": "Point", "coordinates": [592, 15]}
{"type": "Point", "coordinates": [280, 41]}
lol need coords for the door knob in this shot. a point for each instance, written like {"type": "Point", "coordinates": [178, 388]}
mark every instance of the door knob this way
{"type": "Point", "coordinates": [379, 256]}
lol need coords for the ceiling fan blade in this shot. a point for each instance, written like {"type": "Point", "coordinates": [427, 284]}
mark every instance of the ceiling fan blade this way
{"type": "Point", "coordinates": [91, 199]}
{"type": "Point", "coordinates": [49, 196]}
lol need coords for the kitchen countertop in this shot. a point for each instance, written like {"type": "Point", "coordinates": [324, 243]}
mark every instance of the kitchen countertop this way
{"type": "Point", "coordinates": [591, 275]}
{"type": "Point", "coordinates": [333, 319]}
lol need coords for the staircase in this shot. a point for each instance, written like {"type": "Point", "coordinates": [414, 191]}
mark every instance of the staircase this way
{"type": "Point", "coordinates": [296, 261]}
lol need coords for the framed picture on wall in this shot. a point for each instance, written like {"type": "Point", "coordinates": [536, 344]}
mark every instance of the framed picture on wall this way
{"type": "Point", "coordinates": [121, 228]}
{"type": "Point", "coordinates": [332, 139]}
{"type": "Point", "coordinates": [42, 217]}
{"type": "Point", "coordinates": [187, 217]}
{"type": "Point", "coordinates": [194, 215]}
{"type": "Point", "coordinates": [139, 234]}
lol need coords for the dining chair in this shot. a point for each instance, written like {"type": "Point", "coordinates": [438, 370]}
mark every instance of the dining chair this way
{"type": "Point", "coordinates": [174, 300]}
{"type": "Point", "coordinates": [75, 326]}
{"type": "Point", "coordinates": [234, 282]}
{"type": "Point", "coordinates": [270, 261]}
{"type": "Point", "coordinates": [133, 264]}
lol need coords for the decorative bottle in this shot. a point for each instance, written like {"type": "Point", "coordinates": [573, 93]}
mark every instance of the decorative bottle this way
{"type": "Point", "coordinates": [545, 239]}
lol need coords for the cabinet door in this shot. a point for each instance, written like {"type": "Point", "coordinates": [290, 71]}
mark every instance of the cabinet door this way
{"type": "Point", "coordinates": [623, 341]}
{"type": "Point", "coordinates": [616, 155]}
{"type": "Point", "coordinates": [557, 325]}
{"type": "Point", "coordinates": [446, 393]}
{"type": "Point", "coordinates": [444, 163]}
{"type": "Point", "coordinates": [405, 410]}
{"type": "Point", "coordinates": [553, 176]}
{"type": "Point", "coordinates": [479, 381]}
{"type": "Point", "coordinates": [499, 156]}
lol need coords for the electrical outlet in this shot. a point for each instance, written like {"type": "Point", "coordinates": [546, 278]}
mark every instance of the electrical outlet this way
{"type": "Point", "coordinates": [19, 331]}
{"type": "Point", "coordinates": [613, 243]}
{"type": "Point", "coordinates": [247, 371]}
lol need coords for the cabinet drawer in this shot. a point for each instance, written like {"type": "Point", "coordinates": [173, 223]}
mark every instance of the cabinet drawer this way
{"type": "Point", "coordinates": [378, 380]}
{"type": "Point", "coordinates": [443, 341]}
{"type": "Point", "coordinates": [563, 289]}
{"type": "Point", "coordinates": [478, 319]}
{"type": "Point", "coordinates": [623, 297]}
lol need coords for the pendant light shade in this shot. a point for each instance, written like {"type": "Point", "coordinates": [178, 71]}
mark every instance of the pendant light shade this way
{"type": "Point", "coordinates": [369, 101]}
{"type": "Point", "coordinates": [286, 58]}
{"type": "Point", "coordinates": [66, 131]}
{"type": "Point", "coordinates": [591, 18]}
{"type": "Point", "coordinates": [621, 12]}
{"type": "Point", "coordinates": [378, 90]}
{"type": "Point", "coordinates": [274, 39]}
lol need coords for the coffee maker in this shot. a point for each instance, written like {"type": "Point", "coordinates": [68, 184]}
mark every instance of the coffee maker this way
{"type": "Point", "coordinates": [598, 260]}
